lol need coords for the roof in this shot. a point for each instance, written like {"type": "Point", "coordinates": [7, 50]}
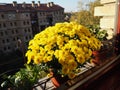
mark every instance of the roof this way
{"type": "Point", "coordinates": [28, 7]}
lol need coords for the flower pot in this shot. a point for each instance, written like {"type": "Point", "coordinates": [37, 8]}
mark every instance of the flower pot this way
{"type": "Point", "coordinates": [57, 80]}
{"type": "Point", "coordinates": [96, 59]}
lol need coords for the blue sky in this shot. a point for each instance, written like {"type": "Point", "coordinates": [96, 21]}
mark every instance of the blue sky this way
{"type": "Point", "coordinates": [69, 5]}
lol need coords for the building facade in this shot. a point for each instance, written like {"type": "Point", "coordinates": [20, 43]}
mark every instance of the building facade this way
{"type": "Point", "coordinates": [20, 22]}
{"type": "Point", "coordinates": [110, 12]}
{"type": "Point", "coordinates": [107, 11]}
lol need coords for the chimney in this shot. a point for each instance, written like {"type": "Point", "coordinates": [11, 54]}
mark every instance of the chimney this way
{"type": "Point", "coordinates": [14, 3]}
{"type": "Point", "coordinates": [38, 3]}
{"type": "Point", "coordinates": [48, 4]}
{"type": "Point", "coordinates": [33, 3]}
{"type": "Point", "coordinates": [24, 5]}
{"type": "Point", "coordinates": [51, 4]}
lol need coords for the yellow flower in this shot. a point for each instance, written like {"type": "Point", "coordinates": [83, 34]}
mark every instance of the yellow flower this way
{"type": "Point", "coordinates": [66, 45]}
{"type": "Point", "coordinates": [60, 41]}
{"type": "Point", "coordinates": [72, 64]}
{"type": "Point", "coordinates": [85, 49]}
{"type": "Point", "coordinates": [80, 58]}
{"type": "Point", "coordinates": [48, 47]}
{"type": "Point", "coordinates": [65, 69]}
{"type": "Point", "coordinates": [84, 42]}
{"type": "Point", "coordinates": [30, 56]}
{"type": "Point", "coordinates": [61, 61]}
{"type": "Point", "coordinates": [37, 59]}
{"type": "Point", "coordinates": [71, 75]}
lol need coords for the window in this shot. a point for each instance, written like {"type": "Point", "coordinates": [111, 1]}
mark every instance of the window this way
{"type": "Point", "coordinates": [11, 24]}
{"type": "Point", "coordinates": [1, 33]}
{"type": "Point", "coordinates": [16, 31]}
{"type": "Point", "coordinates": [7, 40]}
{"type": "Point", "coordinates": [4, 25]}
{"type": "Point", "coordinates": [28, 22]}
{"type": "Point", "coordinates": [40, 14]}
{"type": "Point", "coordinates": [26, 38]}
{"type": "Point", "coordinates": [3, 41]}
{"type": "Point", "coordinates": [0, 25]}
{"type": "Point", "coordinates": [26, 15]}
{"type": "Point", "coordinates": [6, 32]}
{"type": "Point", "coordinates": [13, 32]}
{"type": "Point", "coordinates": [25, 30]}
{"type": "Point", "coordinates": [43, 13]}
{"type": "Point", "coordinates": [24, 23]}
{"type": "Point", "coordinates": [11, 16]}
{"type": "Point", "coordinates": [17, 38]}
{"type": "Point", "coordinates": [28, 29]}
{"type": "Point", "coordinates": [14, 39]}
{"type": "Point", "coordinates": [2, 16]}
{"type": "Point", "coordinates": [15, 23]}
{"type": "Point", "coordinates": [30, 37]}
{"type": "Point", "coordinates": [5, 48]}
{"type": "Point", "coordinates": [8, 47]}
{"type": "Point", "coordinates": [23, 15]}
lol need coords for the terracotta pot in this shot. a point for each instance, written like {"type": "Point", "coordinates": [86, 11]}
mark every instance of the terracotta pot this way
{"type": "Point", "coordinates": [96, 59]}
{"type": "Point", "coordinates": [57, 80]}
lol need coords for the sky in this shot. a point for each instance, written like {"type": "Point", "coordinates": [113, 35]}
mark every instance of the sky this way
{"type": "Point", "coordinates": [69, 5]}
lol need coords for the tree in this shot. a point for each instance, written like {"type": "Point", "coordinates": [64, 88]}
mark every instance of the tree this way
{"type": "Point", "coordinates": [86, 15]}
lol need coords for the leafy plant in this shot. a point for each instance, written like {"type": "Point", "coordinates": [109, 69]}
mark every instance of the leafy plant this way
{"type": "Point", "coordinates": [25, 78]}
{"type": "Point", "coordinates": [98, 33]}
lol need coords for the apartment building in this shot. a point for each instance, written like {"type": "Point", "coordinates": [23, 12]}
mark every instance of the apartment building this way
{"type": "Point", "coordinates": [20, 22]}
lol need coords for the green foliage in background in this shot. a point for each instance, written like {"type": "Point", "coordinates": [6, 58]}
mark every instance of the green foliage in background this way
{"type": "Point", "coordinates": [85, 15]}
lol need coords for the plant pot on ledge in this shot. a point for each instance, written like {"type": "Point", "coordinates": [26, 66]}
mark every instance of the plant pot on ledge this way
{"type": "Point", "coordinates": [57, 79]}
{"type": "Point", "coordinates": [61, 47]}
{"type": "Point", "coordinates": [96, 55]}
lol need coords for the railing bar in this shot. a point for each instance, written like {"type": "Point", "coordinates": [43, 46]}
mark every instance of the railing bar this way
{"type": "Point", "coordinates": [94, 74]}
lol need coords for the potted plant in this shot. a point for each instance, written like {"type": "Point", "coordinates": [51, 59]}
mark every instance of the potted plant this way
{"type": "Point", "coordinates": [63, 48]}
{"type": "Point", "coordinates": [99, 33]}
{"type": "Point", "coordinates": [25, 78]}
{"type": "Point", "coordinates": [106, 46]}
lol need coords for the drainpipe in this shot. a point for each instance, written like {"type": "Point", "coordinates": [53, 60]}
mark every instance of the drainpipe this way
{"type": "Point", "coordinates": [117, 17]}
{"type": "Point", "coordinates": [117, 28]}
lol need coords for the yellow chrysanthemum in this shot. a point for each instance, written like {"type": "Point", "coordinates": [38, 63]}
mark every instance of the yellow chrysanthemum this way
{"type": "Point", "coordinates": [72, 64]}
{"type": "Point", "coordinates": [30, 56]}
{"type": "Point", "coordinates": [70, 44]}
{"type": "Point", "coordinates": [80, 58]}
{"type": "Point", "coordinates": [65, 69]}
{"type": "Point", "coordinates": [71, 75]}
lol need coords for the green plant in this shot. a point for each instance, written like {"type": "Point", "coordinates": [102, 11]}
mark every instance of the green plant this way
{"type": "Point", "coordinates": [99, 34]}
{"type": "Point", "coordinates": [25, 78]}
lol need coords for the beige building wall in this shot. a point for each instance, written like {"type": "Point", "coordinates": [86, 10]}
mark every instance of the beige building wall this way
{"type": "Point", "coordinates": [107, 1]}
{"type": "Point", "coordinates": [108, 13]}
